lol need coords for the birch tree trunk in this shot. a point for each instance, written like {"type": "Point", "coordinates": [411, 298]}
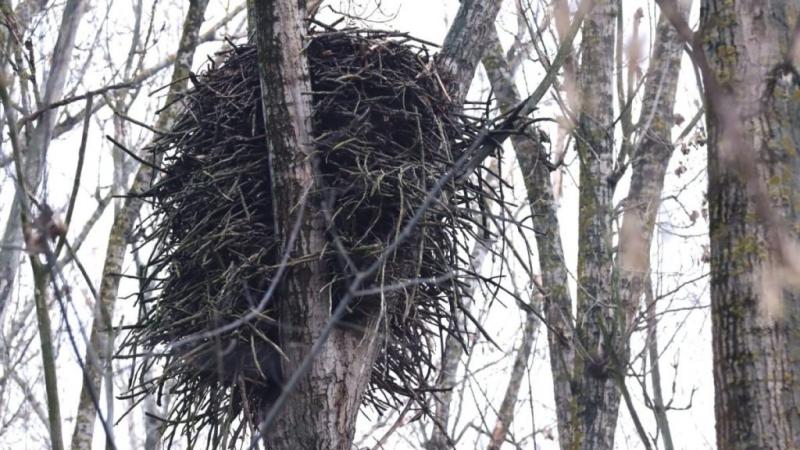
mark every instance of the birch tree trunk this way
{"type": "Point", "coordinates": [101, 339]}
{"type": "Point", "coordinates": [752, 55]}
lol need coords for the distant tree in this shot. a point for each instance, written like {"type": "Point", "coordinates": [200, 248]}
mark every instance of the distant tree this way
{"type": "Point", "coordinates": [589, 353]}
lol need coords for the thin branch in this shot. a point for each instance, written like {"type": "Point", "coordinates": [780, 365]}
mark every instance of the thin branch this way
{"type": "Point", "coordinates": [85, 96]}
{"type": "Point", "coordinates": [76, 183]}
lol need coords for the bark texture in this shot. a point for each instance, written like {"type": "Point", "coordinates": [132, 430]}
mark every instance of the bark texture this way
{"type": "Point", "coordinates": [101, 339]}
{"type": "Point", "coordinates": [597, 395]}
{"type": "Point", "coordinates": [323, 406]}
{"type": "Point", "coordinates": [750, 49]}
{"type": "Point", "coordinates": [465, 44]}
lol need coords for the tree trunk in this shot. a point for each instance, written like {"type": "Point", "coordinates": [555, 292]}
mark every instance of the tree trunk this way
{"type": "Point", "coordinates": [649, 163]}
{"type": "Point", "coordinates": [465, 44]}
{"type": "Point", "coordinates": [557, 299]}
{"type": "Point", "coordinates": [751, 49]}
{"type": "Point", "coordinates": [649, 166]}
{"type": "Point", "coordinates": [322, 408]}
{"type": "Point", "coordinates": [101, 339]}
{"type": "Point", "coordinates": [597, 394]}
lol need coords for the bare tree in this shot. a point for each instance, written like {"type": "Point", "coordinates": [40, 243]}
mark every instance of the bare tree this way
{"type": "Point", "coordinates": [586, 392]}
{"type": "Point", "coordinates": [752, 178]}
{"type": "Point", "coordinates": [39, 140]}
{"type": "Point", "coordinates": [101, 340]}
{"type": "Point", "coordinates": [613, 112]}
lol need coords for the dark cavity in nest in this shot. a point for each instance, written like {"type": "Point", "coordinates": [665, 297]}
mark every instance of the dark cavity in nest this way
{"type": "Point", "coordinates": [384, 132]}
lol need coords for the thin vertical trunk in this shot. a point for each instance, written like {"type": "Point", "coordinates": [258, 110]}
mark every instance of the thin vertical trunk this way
{"type": "Point", "coordinates": [557, 299]}
{"type": "Point", "coordinates": [41, 279]}
{"type": "Point", "coordinates": [505, 415]}
{"type": "Point", "coordinates": [101, 339]}
{"type": "Point", "coordinates": [750, 50]}
{"type": "Point", "coordinates": [659, 409]}
{"type": "Point", "coordinates": [597, 395]}
{"type": "Point", "coordinates": [649, 163]}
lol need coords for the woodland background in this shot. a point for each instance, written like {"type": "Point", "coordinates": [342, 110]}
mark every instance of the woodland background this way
{"type": "Point", "coordinates": [627, 108]}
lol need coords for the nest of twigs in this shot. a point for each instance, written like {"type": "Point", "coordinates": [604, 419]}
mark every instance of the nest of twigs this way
{"type": "Point", "coordinates": [385, 132]}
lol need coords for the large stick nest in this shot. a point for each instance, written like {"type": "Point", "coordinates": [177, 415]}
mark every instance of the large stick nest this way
{"type": "Point", "coordinates": [385, 131]}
